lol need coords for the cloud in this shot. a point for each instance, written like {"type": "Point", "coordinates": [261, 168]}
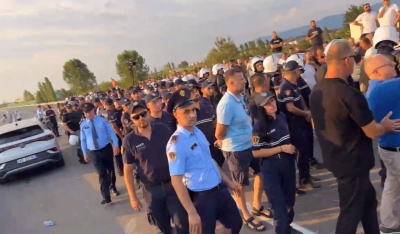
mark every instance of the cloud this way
{"type": "Point", "coordinates": [19, 33]}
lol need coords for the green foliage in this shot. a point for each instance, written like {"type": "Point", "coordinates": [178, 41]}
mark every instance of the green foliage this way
{"type": "Point", "coordinates": [139, 72]}
{"type": "Point", "coordinates": [39, 98]}
{"type": "Point", "coordinates": [327, 35]}
{"type": "Point", "coordinates": [183, 64]}
{"type": "Point", "coordinates": [49, 90]}
{"type": "Point", "coordinates": [65, 93]}
{"type": "Point", "coordinates": [351, 14]}
{"type": "Point", "coordinates": [104, 86]}
{"type": "Point", "coordinates": [78, 76]}
{"type": "Point", "coordinates": [28, 96]}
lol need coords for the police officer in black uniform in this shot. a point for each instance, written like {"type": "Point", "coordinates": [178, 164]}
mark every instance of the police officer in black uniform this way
{"type": "Point", "coordinates": [292, 105]}
{"type": "Point", "coordinates": [271, 143]}
{"type": "Point", "coordinates": [114, 118]}
{"type": "Point", "coordinates": [71, 120]}
{"type": "Point", "coordinates": [154, 104]}
{"type": "Point", "coordinates": [165, 95]}
{"type": "Point", "coordinates": [51, 116]}
{"type": "Point", "coordinates": [144, 148]}
{"type": "Point", "coordinates": [126, 118]}
{"type": "Point", "coordinates": [208, 91]}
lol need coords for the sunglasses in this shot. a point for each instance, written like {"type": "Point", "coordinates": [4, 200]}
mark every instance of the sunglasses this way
{"type": "Point", "coordinates": [137, 117]}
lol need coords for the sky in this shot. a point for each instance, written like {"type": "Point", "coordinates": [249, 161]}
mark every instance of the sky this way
{"type": "Point", "coordinates": [38, 36]}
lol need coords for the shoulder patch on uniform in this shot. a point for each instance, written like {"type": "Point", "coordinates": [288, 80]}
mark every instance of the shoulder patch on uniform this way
{"type": "Point", "coordinates": [288, 92]}
{"type": "Point", "coordinates": [172, 156]}
{"type": "Point", "coordinates": [126, 121]}
{"type": "Point", "coordinates": [173, 140]}
{"type": "Point", "coordinates": [255, 140]}
{"type": "Point", "coordinates": [182, 93]}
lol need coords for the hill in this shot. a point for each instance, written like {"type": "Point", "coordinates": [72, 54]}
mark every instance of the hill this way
{"type": "Point", "coordinates": [331, 22]}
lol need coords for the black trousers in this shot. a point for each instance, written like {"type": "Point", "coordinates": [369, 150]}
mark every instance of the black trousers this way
{"type": "Point", "coordinates": [118, 160]}
{"type": "Point", "coordinates": [55, 128]}
{"type": "Point", "coordinates": [103, 162]}
{"type": "Point", "coordinates": [357, 203]}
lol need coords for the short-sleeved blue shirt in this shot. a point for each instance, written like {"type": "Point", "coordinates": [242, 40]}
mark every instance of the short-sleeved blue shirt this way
{"type": "Point", "coordinates": [232, 111]}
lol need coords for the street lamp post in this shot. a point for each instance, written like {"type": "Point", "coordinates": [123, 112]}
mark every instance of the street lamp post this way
{"type": "Point", "coordinates": [130, 63]}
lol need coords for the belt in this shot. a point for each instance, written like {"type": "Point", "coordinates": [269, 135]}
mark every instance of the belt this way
{"type": "Point", "coordinates": [218, 187]}
{"type": "Point", "coordinates": [158, 183]}
{"type": "Point", "coordinates": [392, 149]}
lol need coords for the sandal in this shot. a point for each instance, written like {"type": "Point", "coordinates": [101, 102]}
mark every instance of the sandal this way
{"type": "Point", "coordinates": [260, 212]}
{"type": "Point", "coordinates": [254, 226]}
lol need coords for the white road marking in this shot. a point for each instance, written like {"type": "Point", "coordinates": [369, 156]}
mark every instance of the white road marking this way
{"type": "Point", "coordinates": [294, 225]}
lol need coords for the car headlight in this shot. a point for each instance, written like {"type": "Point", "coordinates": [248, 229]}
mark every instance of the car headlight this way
{"type": "Point", "coordinates": [2, 166]}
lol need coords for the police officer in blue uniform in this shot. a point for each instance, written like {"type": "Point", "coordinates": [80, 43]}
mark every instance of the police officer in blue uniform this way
{"type": "Point", "coordinates": [198, 181]}
{"type": "Point", "coordinates": [271, 143]}
{"type": "Point", "coordinates": [298, 117]}
{"type": "Point", "coordinates": [142, 150]}
{"type": "Point", "coordinates": [95, 132]}
{"type": "Point", "coordinates": [125, 118]}
{"type": "Point", "coordinates": [154, 104]}
{"type": "Point", "coordinates": [114, 118]}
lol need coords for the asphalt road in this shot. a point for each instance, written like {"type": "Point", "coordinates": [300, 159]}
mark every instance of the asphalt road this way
{"type": "Point", "coordinates": [70, 197]}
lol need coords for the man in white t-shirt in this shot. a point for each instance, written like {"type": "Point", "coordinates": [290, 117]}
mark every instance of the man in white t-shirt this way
{"type": "Point", "coordinates": [368, 20]}
{"type": "Point", "coordinates": [389, 14]}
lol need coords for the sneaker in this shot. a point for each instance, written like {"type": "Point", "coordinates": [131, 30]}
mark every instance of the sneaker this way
{"type": "Point", "coordinates": [309, 186]}
{"type": "Point", "coordinates": [390, 230]}
{"type": "Point", "coordinates": [315, 165]}
{"type": "Point", "coordinates": [300, 192]}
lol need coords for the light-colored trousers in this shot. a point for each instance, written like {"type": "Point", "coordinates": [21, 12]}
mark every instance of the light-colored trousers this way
{"type": "Point", "coordinates": [390, 203]}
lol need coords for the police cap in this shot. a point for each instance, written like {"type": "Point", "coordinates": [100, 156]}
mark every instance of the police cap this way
{"type": "Point", "coordinates": [165, 94]}
{"type": "Point", "coordinates": [191, 84]}
{"type": "Point", "coordinates": [88, 107]}
{"type": "Point", "coordinates": [124, 102]}
{"type": "Point", "coordinates": [206, 84]}
{"type": "Point", "coordinates": [261, 99]}
{"type": "Point", "coordinates": [108, 101]}
{"type": "Point", "coordinates": [180, 98]}
{"type": "Point", "coordinates": [136, 104]}
{"type": "Point", "coordinates": [152, 97]}
{"type": "Point", "coordinates": [179, 81]}
{"type": "Point", "coordinates": [291, 66]}
{"type": "Point", "coordinates": [169, 85]}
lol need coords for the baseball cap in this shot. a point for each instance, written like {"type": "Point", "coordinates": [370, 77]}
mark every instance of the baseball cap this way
{"type": "Point", "coordinates": [152, 97]}
{"type": "Point", "coordinates": [291, 66]}
{"type": "Point", "coordinates": [206, 84]}
{"type": "Point", "coordinates": [261, 99]}
{"type": "Point", "coordinates": [136, 104]}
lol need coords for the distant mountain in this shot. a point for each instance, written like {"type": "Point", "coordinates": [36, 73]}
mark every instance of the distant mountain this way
{"type": "Point", "coordinates": [331, 22]}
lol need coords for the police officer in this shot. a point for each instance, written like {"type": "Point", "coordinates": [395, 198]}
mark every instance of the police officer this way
{"type": "Point", "coordinates": [51, 116]}
{"type": "Point", "coordinates": [154, 104]}
{"type": "Point", "coordinates": [165, 95]}
{"type": "Point", "coordinates": [125, 118]}
{"type": "Point", "coordinates": [71, 120]}
{"type": "Point", "coordinates": [218, 81]}
{"type": "Point", "coordinates": [206, 122]}
{"type": "Point", "coordinates": [142, 150]}
{"type": "Point", "coordinates": [114, 118]}
{"type": "Point", "coordinates": [292, 105]}
{"type": "Point", "coordinates": [135, 94]}
{"type": "Point", "coordinates": [204, 193]}
{"type": "Point", "coordinates": [271, 143]}
{"type": "Point", "coordinates": [208, 91]}
{"type": "Point", "coordinates": [96, 147]}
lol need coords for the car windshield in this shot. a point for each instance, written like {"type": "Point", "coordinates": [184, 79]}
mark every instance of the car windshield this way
{"type": "Point", "coordinates": [20, 134]}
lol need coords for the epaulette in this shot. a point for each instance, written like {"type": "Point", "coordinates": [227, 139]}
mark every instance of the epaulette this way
{"type": "Point", "coordinates": [173, 140]}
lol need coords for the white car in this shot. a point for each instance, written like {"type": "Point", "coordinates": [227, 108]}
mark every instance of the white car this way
{"type": "Point", "coordinates": [25, 145]}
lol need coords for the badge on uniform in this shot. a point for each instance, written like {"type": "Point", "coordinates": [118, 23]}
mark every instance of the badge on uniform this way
{"type": "Point", "coordinates": [263, 94]}
{"type": "Point", "coordinates": [100, 130]}
{"type": "Point", "coordinates": [255, 140]}
{"type": "Point", "coordinates": [182, 93]}
{"type": "Point", "coordinates": [86, 127]}
{"type": "Point", "coordinates": [135, 103]}
{"type": "Point", "coordinates": [173, 140]}
{"type": "Point", "coordinates": [194, 146]}
{"type": "Point", "coordinates": [126, 121]}
{"type": "Point", "coordinates": [287, 92]}
{"type": "Point", "coordinates": [172, 156]}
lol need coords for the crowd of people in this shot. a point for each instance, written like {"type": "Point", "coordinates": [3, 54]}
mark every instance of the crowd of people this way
{"type": "Point", "coordinates": [171, 137]}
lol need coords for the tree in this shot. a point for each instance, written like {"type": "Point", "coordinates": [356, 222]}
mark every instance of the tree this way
{"type": "Point", "coordinates": [28, 96]}
{"type": "Point", "coordinates": [183, 64]}
{"type": "Point", "coordinates": [65, 93]}
{"type": "Point", "coordinates": [351, 14]}
{"type": "Point", "coordinates": [224, 48]}
{"type": "Point", "coordinates": [140, 70]}
{"type": "Point", "coordinates": [78, 76]}
{"type": "Point", "coordinates": [41, 92]}
{"type": "Point", "coordinates": [105, 85]}
{"type": "Point", "coordinates": [39, 97]}
{"type": "Point", "coordinates": [49, 90]}
{"type": "Point", "coordinates": [327, 35]}
{"type": "Point", "coordinates": [173, 66]}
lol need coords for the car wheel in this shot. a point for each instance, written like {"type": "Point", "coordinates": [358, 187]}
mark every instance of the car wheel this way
{"type": "Point", "coordinates": [61, 163]}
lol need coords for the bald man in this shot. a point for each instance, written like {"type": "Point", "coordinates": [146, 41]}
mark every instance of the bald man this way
{"type": "Point", "coordinates": [383, 95]}
{"type": "Point", "coordinates": [344, 126]}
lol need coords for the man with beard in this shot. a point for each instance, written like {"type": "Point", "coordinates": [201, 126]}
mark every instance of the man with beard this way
{"type": "Point", "coordinates": [143, 153]}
